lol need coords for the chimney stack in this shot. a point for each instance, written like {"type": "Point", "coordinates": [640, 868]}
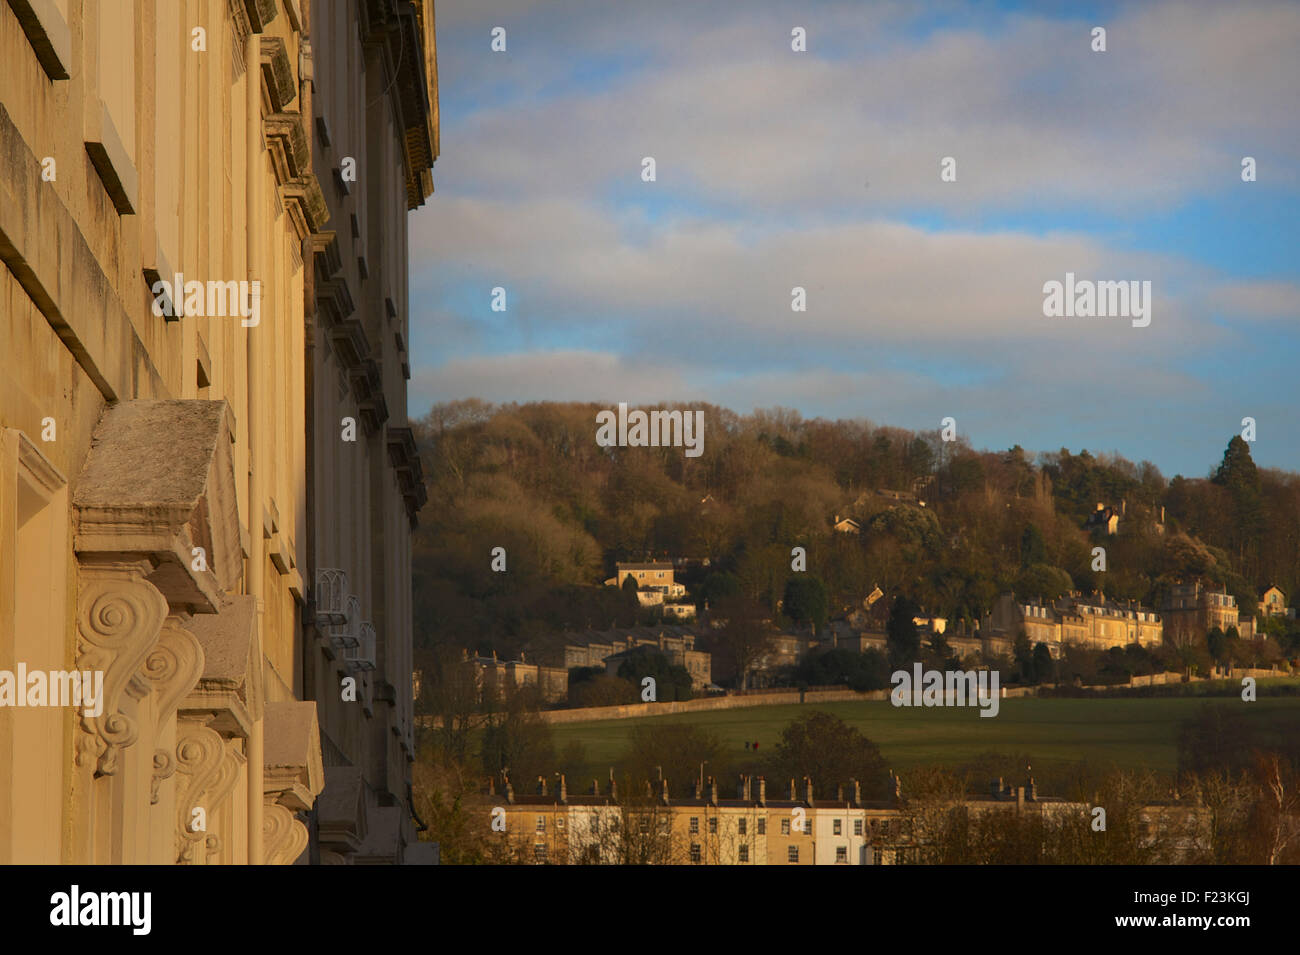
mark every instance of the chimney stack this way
{"type": "Point", "coordinates": [762, 790]}
{"type": "Point", "coordinates": [541, 785]}
{"type": "Point", "coordinates": [794, 792]}
{"type": "Point", "coordinates": [1032, 795]}
{"type": "Point", "coordinates": [564, 789]}
{"type": "Point", "coordinates": [857, 792]}
{"type": "Point", "coordinates": [663, 791]}
{"type": "Point", "coordinates": [713, 791]}
{"type": "Point", "coordinates": [507, 788]}
{"type": "Point", "coordinates": [699, 793]}
{"type": "Point", "coordinates": [808, 790]}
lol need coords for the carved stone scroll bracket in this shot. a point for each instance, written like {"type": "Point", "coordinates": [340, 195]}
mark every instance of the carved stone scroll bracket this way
{"type": "Point", "coordinates": [164, 765]}
{"type": "Point", "coordinates": [172, 669]}
{"type": "Point", "coordinates": [205, 776]}
{"type": "Point", "coordinates": [284, 837]}
{"type": "Point", "coordinates": [119, 618]}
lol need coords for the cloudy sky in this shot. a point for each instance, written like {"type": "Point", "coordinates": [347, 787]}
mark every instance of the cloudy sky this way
{"type": "Point", "coordinates": [821, 169]}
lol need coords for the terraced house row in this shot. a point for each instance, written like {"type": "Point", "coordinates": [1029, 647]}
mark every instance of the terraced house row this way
{"type": "Point", "coordinates": [210, 506]}
{"type": "Point", "coordinates": [752, 824]}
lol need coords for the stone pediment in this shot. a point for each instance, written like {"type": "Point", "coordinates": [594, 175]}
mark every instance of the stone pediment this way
{"type": "Point", "coordinates": [158, 482]}
{"type": "Point", "coordinates": [292, 767]}
{"type": "Point", "coordinates": [341, 810]}
{"type": "Point", "coordinates": [383, 842]}
{"type": "Point", "coordinates": [230, 688]}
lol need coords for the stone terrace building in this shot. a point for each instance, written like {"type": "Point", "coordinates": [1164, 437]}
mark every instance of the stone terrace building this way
{"type": "Point", "coordinates": [167, 490]}
{"type": "Point", "coordinates": [1089, 621]}
{"type": "Point", "coordinates": [374, 137]}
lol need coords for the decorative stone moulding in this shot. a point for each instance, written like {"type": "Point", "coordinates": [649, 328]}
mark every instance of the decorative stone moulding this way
{"type": "Point", "coordinates": [260, 13]}
{"type": "Point", "coordinates": [277, 73]}
{"type": "Point", "coordinates": [306, 204]}
{"type": "Point", "coordinates": [287, 141]}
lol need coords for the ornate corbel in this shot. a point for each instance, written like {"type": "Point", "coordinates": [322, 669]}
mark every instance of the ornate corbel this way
{"type": "Point", "coordinates": [119, 618]}
{"type": "Point", "coordinates": [283, 835]}
{"type": "Point", "coordinates": [205, 776]}
{"type": "Point", "coordinates": [172, 668]}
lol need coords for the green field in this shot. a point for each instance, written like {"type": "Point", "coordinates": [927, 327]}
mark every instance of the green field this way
{"type": "Point", "coordinates": [1132, 733]}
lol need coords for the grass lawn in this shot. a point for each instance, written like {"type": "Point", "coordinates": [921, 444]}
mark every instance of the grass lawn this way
{"type": "Point", "coordinates": [1132, 733]}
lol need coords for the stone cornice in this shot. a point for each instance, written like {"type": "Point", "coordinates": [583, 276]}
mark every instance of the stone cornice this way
{"type": "Point", "coordinates": [229, 690]}
{"type": "Point", "coordinates": [158, 483]}
{"type": "Point", "coordinates": [277, 73]}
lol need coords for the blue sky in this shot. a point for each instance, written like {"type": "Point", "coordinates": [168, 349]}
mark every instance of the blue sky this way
{"type": "Point", "coordinates": [820, 169]}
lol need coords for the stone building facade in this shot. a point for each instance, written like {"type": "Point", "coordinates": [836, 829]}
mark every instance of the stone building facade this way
{"type": "Point", "coordinates": [167, 496]}
{"type": "Point", "coordinates": [1088, 621]}
{"type": "Point", "coordinates": [594, 648]}
{"type": "Point", "coordinates": [1192, 610]}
